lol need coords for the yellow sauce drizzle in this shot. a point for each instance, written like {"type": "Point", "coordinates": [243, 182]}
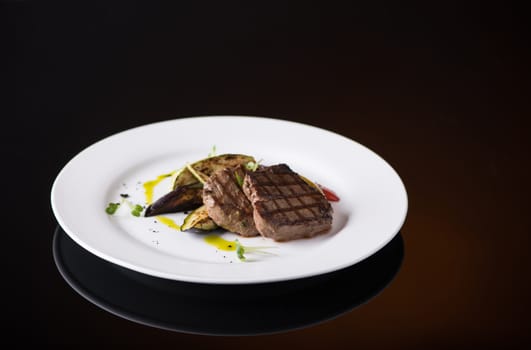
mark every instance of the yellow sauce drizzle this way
{"type": "Point", "coordinates": [168, 222]}
{"type": "Point", "coordinates": [149, 186]}
{"type": "Point", "coordinates": [220, 243]}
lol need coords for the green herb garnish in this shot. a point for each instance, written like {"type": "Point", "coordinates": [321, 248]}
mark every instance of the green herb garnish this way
{"type": "Point", "coordinates": [212, 152]}
{"type": "Point", "coordinates": [239, 179]}
{"type": "Point", "coordinates": [252, 166]}
{"type": "Point", "coordinates": [241, 250]}
{"type": "Point", "coordinates": [195, 173]}
{"type": "Point", "coordinates": [136, 209]}
{"type": "Point", "coordinates": [111, 208]}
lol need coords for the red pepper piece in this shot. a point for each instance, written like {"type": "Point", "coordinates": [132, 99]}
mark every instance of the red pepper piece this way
{"type": "Point", "coordinates": [329, 194]}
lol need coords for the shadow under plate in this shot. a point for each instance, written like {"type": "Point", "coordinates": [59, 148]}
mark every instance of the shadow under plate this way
{"type": "Point", "coordinates": [249, 309]}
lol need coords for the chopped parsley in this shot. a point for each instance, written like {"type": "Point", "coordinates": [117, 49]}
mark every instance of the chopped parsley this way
{"type": "Point", "coordinates": [136, 209]}
{"type": "Point", "coordinates": [111, 208]}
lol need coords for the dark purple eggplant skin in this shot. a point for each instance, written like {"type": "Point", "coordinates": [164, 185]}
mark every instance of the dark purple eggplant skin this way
{"type": "Point", "coordinates": [181, 199]}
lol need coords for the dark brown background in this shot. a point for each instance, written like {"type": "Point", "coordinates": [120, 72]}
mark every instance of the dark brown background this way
{"type": "Point", "coordinates": [441, 91]}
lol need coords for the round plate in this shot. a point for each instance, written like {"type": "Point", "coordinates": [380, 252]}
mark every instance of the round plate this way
{"type": "Point", "coordinates": [371, 210]}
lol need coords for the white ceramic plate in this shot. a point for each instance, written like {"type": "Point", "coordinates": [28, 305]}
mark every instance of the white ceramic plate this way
{"type": "Point", "coordinates": [371, 211]}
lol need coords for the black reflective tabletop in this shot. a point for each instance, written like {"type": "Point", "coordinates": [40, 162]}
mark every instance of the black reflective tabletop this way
{"type": "Point", "coordinates": [224, 309]}
{"type": "Point", "coordinates": [439, 89]}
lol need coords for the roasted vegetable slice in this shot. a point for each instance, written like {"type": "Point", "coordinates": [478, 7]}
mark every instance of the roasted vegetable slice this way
{"type": "Point", "coordinates": [183, 198]}
{"type": "Point", "coordinates": [207, 166]}
{"type": "Point", "coordinates": [199, 220]}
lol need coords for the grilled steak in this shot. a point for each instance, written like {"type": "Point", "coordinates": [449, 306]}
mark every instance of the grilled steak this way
{"type": "Point", "coordinates": [285, 206]}
{"type": "Point", "coordinates": [226, 203]}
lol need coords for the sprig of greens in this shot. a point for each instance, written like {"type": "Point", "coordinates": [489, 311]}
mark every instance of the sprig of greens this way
{"type": "Point", "coordinates": [136, 209]}
{"type": "Point", "coordinates": [241, 250]}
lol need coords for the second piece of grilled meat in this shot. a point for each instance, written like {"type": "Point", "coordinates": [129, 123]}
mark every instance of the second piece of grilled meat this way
{"type": "Point", "coordinates": [285, 206]}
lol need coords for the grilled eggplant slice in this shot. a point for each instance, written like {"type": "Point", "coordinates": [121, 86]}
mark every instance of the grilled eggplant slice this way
{"type": "Point", "coordinates": [207, 166]}
{"type": "Point", "coordinates": [182, 198]}
{"type": "Point", "coordinates": [199, 220]}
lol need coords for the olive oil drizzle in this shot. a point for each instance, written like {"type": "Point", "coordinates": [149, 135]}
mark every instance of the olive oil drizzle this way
{"type": "Point", "coordinates": [220, 243]}
{"type": "Point", "coordinates": [149, 186]}
{"type": "Point", "coordinates": [168, 222]}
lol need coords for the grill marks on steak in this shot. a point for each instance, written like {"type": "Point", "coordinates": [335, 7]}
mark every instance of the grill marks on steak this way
{"type": "Point", "coordinates": [274, 201]}
{"type": "Point", "coordinates": [226, 203]}
{"type": "Point", "coordinates": [285, 206]}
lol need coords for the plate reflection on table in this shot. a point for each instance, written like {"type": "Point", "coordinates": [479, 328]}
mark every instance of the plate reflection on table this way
{"type": "Point", "coordinates": [224, 309]}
